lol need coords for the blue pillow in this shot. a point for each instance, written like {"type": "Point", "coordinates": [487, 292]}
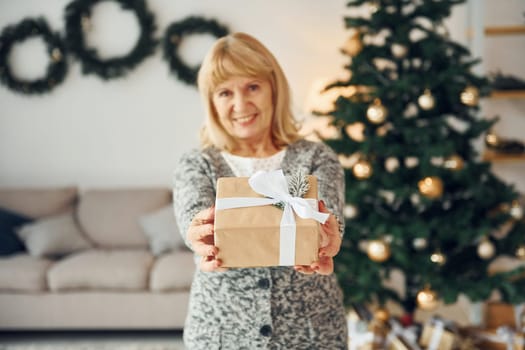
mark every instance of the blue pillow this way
{"type": "Point", "coordinates": [9, 241]}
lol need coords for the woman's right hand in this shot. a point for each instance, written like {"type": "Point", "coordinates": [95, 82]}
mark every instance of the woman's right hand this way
{"type": "Point", "coordinates": [200, 238]}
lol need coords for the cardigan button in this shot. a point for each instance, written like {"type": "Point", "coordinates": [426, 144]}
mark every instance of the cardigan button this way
{"type": "Point", "coordinates": [266, 330]}
{"type": "Point", "coordinates": [263, 283]}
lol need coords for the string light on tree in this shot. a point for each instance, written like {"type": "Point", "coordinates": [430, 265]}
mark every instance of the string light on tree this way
{"type": "Point", "coordinates": [427, 299]}
{"type": "Point", "coordinates": [399, 50]}
{"type": "Point", "coordinates": [376, 112]}
{"type": "Point", "coordinates": [454, 162]}
{"type": "Point", "coordinates": [470, 96]}
{"type": "Point", "coordinates": [520, 252]}
{"type": "Point", "coordinates": [427, 100]}
{"type": "Point", "coordinates": [438, 258]}
{"type": "Point", "coordinates": [431, 187]}
{"type": "Point", "coordinates": [420, 243]}
{"type": "Point", "coordinates": [350, 211]}
{"type": "Point", "coordinates": [516, 210]}
{"type": "Point", "coordinates": [486, 249]}
{"type": "Point", "coordinates": [382, 314]}
{"type": "Point", "coordinates": [378, 250]}
{"type": "Point", "coordinates": [362, 169]}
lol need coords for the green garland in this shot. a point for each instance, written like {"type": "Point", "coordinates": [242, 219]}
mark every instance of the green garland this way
{"type": "Point", "coordinates": [175, 34]}
{"type": "Point", "coordinates": [56, 69]}
{"type": "Point", "coordinates": [77, 16]}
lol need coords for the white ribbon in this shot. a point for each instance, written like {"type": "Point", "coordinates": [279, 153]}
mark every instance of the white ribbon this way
{"type": "Point", "coordinates": [437, 332]}
{"type": "Point", "coordinates": [408, 334]}
{"type": "Point", "coordinates": [273, 184]}
{"type": "Point", "coordinates": [507, 335]}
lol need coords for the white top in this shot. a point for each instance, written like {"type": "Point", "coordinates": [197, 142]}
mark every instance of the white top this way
{"type": "Point", "coordinates": [247, 166]}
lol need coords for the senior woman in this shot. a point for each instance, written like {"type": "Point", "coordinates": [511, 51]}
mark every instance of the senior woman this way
{"type": "Point", "coordinates": [249, 127]}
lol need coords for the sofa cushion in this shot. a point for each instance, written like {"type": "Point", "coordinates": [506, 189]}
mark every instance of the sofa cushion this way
{"type": "Point", "coordinates": [53, 236]}
{"type": "Point", "coordinates": [24, 273]}
{"type": "Point", "coordinates": [173, 271]}
{"type": "Point", "coordinates": [161, 230]}
{"type": "Point", "coordinates": [9, 241]}
{"type": "Point", "coordinates": [110, 218]}
{"type": "Point", "coordinates": [102, 270]}
{"type": "Point", "coordinates": [38, 202]}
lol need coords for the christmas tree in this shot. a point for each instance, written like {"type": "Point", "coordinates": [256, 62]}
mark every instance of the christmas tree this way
{"type": "Point", "coordinates": [419, 198]}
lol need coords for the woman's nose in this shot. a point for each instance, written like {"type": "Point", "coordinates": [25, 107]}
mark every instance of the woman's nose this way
{"type": "Point", "coordinates": [239, 102]}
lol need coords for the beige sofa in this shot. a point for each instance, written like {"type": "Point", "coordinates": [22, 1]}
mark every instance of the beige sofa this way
{"type": "Point", "coordinates": [94, 259]}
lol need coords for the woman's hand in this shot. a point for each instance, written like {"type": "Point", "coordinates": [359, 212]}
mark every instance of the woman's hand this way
{"type": "Point", "coordinates": [330, 245]}
{"type": "Point", "coordinates": [200, 237]}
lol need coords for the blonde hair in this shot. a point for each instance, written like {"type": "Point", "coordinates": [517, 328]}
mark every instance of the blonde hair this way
{"type": "Point", "coordinates": [240, 54]}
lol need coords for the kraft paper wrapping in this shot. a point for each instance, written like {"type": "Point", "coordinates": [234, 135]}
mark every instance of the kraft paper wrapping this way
{"type": "Point", "coordinates": [249, 237]}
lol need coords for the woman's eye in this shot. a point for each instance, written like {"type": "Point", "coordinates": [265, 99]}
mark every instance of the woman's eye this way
{"type": "Point", "coordinates": [223, 93]}
{"type": "Point", "coordinates": [253, 87]}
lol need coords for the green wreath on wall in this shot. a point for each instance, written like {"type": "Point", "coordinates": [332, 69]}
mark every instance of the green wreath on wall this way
{"type": "Point", "coordinates": [174, 35]}
{"type": "Point", "coordinates": [77, 17]}
{"type": "Point", "coordinates": [56, 69]}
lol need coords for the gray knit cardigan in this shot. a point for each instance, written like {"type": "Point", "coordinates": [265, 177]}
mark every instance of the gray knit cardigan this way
{"type": "Point", "coordinates": [261, 308]}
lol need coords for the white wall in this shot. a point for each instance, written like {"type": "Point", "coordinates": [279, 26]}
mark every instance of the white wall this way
{"type": "Point", "coordinates": [130, 131]}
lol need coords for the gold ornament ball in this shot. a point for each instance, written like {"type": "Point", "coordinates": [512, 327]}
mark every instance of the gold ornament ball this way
{"type": "Point", "coordinates": [427, 299]}
{"type": "Point", "coordinates": [353, 45]}
{"type": "Point", "coordinates": [470, 96]}
{"type": "Point", "coordinates": [491, 139]}
{"type": "Point", "coordinates": [362, 169]}
{"type": "Point", "coordinates": [516, 211]}
{"type": "Point", "coordinates": [520, 252]}
{"type": "Point", "coordinates": [382, 314]}
{"type": "Point", "coordinates": [454, 162]}
{"type": "Point", "coordinates": [378, 250]}
{"type": "Point", "coordinates": [350, 211]}
{"type": "Point", "coordinates": [426, 101]}
{"type": "Point", "coordinates": [486, 249]}
{"type": "Point", "coordinates": [376, 112]}
{"type": "Point", "coordinates": [431, 187]}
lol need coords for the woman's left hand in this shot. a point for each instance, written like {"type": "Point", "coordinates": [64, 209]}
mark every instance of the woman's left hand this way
{"type": "Point", "coordinates": [330, 245]}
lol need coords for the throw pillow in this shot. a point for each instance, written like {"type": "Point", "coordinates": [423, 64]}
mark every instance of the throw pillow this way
{"type": "Point", "coordinates": [161, 230]}
{"type": "Point", "coordinates": [54, 236]}
{"type": "Point", "coordinates": [9, 241]}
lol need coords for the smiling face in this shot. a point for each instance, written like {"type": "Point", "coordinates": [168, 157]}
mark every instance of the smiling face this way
{"type": "Point", "coordinates": [244, 108]}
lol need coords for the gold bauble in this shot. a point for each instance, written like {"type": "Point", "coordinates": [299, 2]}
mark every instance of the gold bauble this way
{"type": "Point", "coordinates": [516, 210]}
{"type": "Point", "coordinates": [427, 299]}
{"type": "Point", "coordinates": [470, 96]}
{"type": "Point", "coordinates": [362, 169]}
{"type": "Point", "coordinates": [378, 250]}
{"type": "Point", "coordinates": [353, 45]}
{"type": "Point", "coordinates": [356, 131]}
{"type": "Point", "coordinates": [520, 252]}
{"type": "Point", "coordinates": [438, 258]}
{"type": "Point", "coordinates": [376, 112]}
{"type": "Point", "coordinates": [382, 314]}
{"type": "Point", "coordinates": [491, 139]}
{"type": "Point", "coordinates": [431, 187]}
{"type": "Point", "coordinates": [454, 162]}
{"type": "Point", "coordinates": [426, 101]}
{"type": "Point", "coordinates": [486, 249]}
{"type": "Point", "coordinates": [348, 162]}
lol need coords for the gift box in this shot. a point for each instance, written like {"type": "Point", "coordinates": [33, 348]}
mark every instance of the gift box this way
{"type": "Point", "coordinates": [360, 337]}
{"type": "Point", "coordinates": [501, 338]}
{"type": "Point", "coordinates": [499, 314]}
{"type": "Point", "coordinates": [253, 229]}
{"type": "Point", "coordinates": [438, 334]}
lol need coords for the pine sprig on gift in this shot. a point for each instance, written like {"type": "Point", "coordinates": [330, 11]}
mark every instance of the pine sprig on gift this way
{"type": "Point", "coordinates": [298, 184]}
